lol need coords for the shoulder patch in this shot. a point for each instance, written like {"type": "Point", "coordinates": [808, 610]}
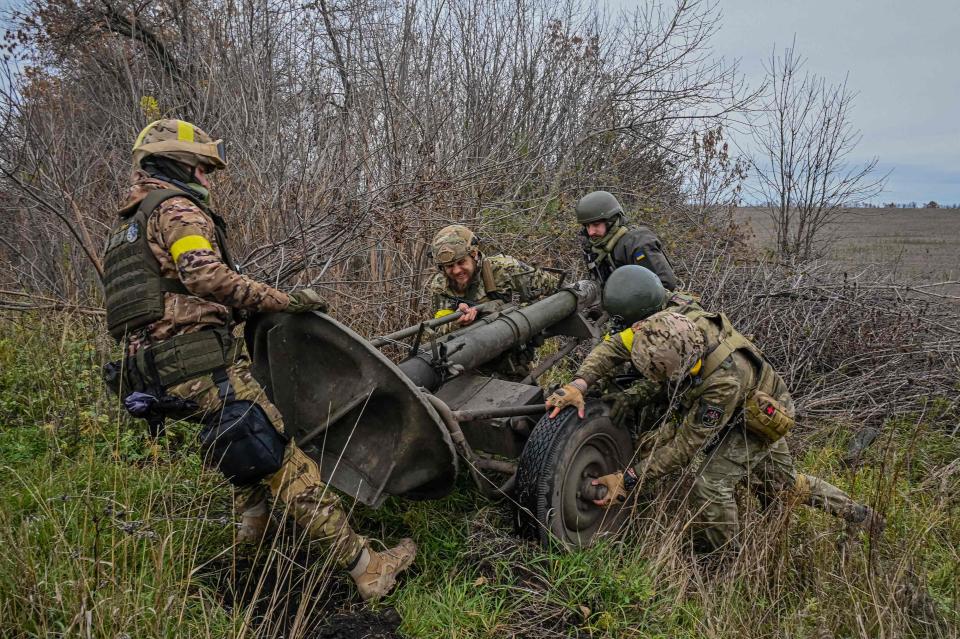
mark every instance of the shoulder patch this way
{"type": "Point", "coordinates": [711, 415]}
{"type": "Point", "coordinates": [133, 232]}
{"type": "Point", "coordinates": [639, 256]}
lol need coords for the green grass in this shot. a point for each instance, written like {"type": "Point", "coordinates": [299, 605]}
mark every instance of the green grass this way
{"type": "Point", "coordinates": [107, 535]}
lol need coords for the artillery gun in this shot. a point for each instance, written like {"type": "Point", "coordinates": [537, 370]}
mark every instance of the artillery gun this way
{"type": "Point", "coordinates": [377, 428]}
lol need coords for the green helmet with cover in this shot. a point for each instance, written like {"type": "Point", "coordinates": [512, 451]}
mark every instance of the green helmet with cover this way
{"type": "Point", "coordinates": [633, 293]}
{"type": "Point", "coordinates": [666, 346]}
{"type": "Point", "coordinates": [598, 206]}
{"type": "Point", "coordinates": [180, 141]}
{"type": "Point", "coordinates": [452, 243]}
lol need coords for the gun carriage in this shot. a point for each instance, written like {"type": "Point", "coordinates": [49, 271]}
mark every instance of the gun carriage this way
{"type": "Point", "coordinates": [377, 428]}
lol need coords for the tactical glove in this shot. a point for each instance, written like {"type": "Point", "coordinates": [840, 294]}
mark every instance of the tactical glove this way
{"type": "Point", "coordinates": [617, 485]}
{"type": "Point", "coordinates": [304, 300]}
{"type": "Point", "coordinates": [568, 395]}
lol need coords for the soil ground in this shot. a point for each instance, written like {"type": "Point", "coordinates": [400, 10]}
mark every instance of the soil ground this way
{"type": "Point", "coordinates": [916, 245]}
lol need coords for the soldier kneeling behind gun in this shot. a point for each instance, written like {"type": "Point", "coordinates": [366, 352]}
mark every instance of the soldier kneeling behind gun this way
{"type": "Point", "coordinates": [468, 279]}
{"type": "Point", "coordinates": [728, 401]}
{"type": "Point", "coordinates": [172, 292]}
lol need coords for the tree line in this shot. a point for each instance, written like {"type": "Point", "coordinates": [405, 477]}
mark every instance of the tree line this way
{"type": "Point", "coordinates": [355, 129]}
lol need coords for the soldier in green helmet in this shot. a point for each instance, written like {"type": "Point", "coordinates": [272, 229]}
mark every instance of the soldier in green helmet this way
{"type": "Point", "coordinates": [609, 243]}
{"type": "Point", "coordinates": [727, 402]}
{"type": "Point", "coordinates": [173, 295]}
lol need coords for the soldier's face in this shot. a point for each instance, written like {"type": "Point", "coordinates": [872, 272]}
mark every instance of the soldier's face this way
{"type": "Point", "coordinates": [460, 273]}
{"type": "Point", "coordinates": [200, 175]}
{"type": "Point", "coordinates": [596, 229]}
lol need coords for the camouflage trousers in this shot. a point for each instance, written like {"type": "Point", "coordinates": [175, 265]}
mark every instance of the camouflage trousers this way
{"type": "Point", "coordinates": [297, 485]}
{"type": "Point", "coordinates": [770, 470]}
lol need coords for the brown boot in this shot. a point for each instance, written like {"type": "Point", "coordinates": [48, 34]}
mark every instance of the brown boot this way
{"type": "Point", "coordinates": [253, 524]}
{"type": "Point", "coordinates": [375, 573]}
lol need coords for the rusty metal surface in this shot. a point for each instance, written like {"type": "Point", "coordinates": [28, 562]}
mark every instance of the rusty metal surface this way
{"type": "Point", "coordinates": [351, 409]}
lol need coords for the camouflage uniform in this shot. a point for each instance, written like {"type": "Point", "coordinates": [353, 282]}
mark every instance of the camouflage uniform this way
{"type": "Point", "coordinates": [511, 277]}
{"type": "Point", "coordinates": [217, 288]}
{"type": "Point", "coordinates": [513, 280]}
{"type": "Point", "coordinates": [708, 417]}
{"type": "Point", "coordinates": [216, 291]}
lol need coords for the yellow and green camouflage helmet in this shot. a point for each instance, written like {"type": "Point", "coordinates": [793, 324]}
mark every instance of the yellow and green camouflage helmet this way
{"type": "Point", "coordinates": [180, 141]}
{"type": "Point", "coordinates": [452, 243]}
{"type": "Point", "coordinates": [665, 346]}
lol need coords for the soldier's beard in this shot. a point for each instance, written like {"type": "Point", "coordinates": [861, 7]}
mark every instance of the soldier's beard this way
{"type": "Point", "coordinates": [461, 280]}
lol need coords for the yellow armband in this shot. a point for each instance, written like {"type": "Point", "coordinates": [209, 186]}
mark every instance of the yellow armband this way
{"type": "Point", "coordinates": [626, 336]}
{"type": "Point", "coordinates": [443, 312]}
{"type": "Point", "coordinates": [189, 243]}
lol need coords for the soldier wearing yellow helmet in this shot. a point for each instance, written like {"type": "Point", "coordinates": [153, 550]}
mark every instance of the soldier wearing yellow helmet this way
{"type": "Point", "coordinates": [172, 293]}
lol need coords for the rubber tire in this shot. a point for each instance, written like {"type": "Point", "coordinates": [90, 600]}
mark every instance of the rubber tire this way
{"type": "Point", "coordinates": [546, 510]}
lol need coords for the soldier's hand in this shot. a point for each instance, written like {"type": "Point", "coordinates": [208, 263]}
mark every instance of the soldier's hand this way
{"type": "Point", "coordinates": [616, 492]}
{"type": "Point", "coordinates": [569, 395]}
{"type": "Point", "coordinates": [621, 406]}
{"type": "Point", "coordinates": [305, 300]}
{"type": "Point", "coordinates": [469, 314]}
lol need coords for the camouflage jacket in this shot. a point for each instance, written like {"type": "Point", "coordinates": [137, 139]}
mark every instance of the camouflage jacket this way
{"type": "Point", "coordinates": [639, 245]}
{"type": "Point", "coordinates": [700, 407]}
{"type": "Point", "coordinates": [511, 277]}
{"type": "Point", "coordinates": [216, 288]}
{"type": "Point", "coordinates": [614, 351]}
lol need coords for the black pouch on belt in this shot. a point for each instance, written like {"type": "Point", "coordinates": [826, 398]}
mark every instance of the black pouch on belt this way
{"type": "Point", "coordinates": [239, 440]}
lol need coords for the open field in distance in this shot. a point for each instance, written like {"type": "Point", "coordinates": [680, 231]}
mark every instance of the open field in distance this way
{"type": "Point", "coordinates": [916, 245]}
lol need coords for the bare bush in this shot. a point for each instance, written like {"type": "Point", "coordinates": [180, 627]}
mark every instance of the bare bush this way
{"type": "Point", "coordinates": [804, 171]}
{"type": "Point", "coordinates": [355, 129]}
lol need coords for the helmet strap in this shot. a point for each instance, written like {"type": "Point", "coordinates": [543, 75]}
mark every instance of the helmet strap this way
{"type": "Point", "coordinates": [176, 173]}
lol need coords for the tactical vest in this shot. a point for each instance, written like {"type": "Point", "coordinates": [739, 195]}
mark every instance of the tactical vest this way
{"type": "Point", "coordinates": [600, 259]}
{"type": "Point", "coordinates": [135, 298]}
{"type": "Point", "coordinates": [765, 413]}
{"type": "Point", "coordinates": [131, 274]}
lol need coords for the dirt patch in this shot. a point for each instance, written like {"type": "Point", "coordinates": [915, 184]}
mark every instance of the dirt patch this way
{"type": "Point", "coordinates": [291, 592]}
{"type": "Point", "coordinates": [916, 246]}
{"type": "Point", "coordinates": [362, 625]}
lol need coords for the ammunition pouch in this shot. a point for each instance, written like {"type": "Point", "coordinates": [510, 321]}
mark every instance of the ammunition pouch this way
{"type": "Point", "coordinates": [239, 440]}
{"type": "Point", "coordinates": [764, 416]}
{"type": "Point", "coordinates": [171, 362]}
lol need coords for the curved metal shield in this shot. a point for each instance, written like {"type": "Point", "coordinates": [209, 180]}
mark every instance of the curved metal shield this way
{"type": "Point", "coordinates": [351, 409]}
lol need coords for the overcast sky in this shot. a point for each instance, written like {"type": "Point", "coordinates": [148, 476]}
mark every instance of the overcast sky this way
{"type": "Point", "coordinates": [903, 59]}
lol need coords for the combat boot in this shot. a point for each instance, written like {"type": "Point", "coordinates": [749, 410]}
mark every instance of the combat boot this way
{"type": "Point", "coordinates": [253, 524]}
{"type": "Point", "coordinates": [375, 573]}
{"type": "Point", "coordinates": [866, 519]}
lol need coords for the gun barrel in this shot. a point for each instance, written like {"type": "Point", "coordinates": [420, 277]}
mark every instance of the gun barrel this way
{"type": "Point", "coordinates": [491, 337]}
{"type": "Point", "coordinates": [410, 331]}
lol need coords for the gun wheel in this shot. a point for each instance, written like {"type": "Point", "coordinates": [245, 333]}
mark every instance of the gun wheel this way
{"type": "Point", "coordinates": [556, 466]}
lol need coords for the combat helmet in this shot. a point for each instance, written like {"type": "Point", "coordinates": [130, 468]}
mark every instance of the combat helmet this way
{"type": "Point", "coordinates": [666, 346]}
{"type": "Point", "coordinates": [452, 243]}
{"type": "Point", "coordinates": [633, 293]}
{"type": "Point", "coordinates": [598, 206]}
{"type": "Point", "coordinates": [180, 141]}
